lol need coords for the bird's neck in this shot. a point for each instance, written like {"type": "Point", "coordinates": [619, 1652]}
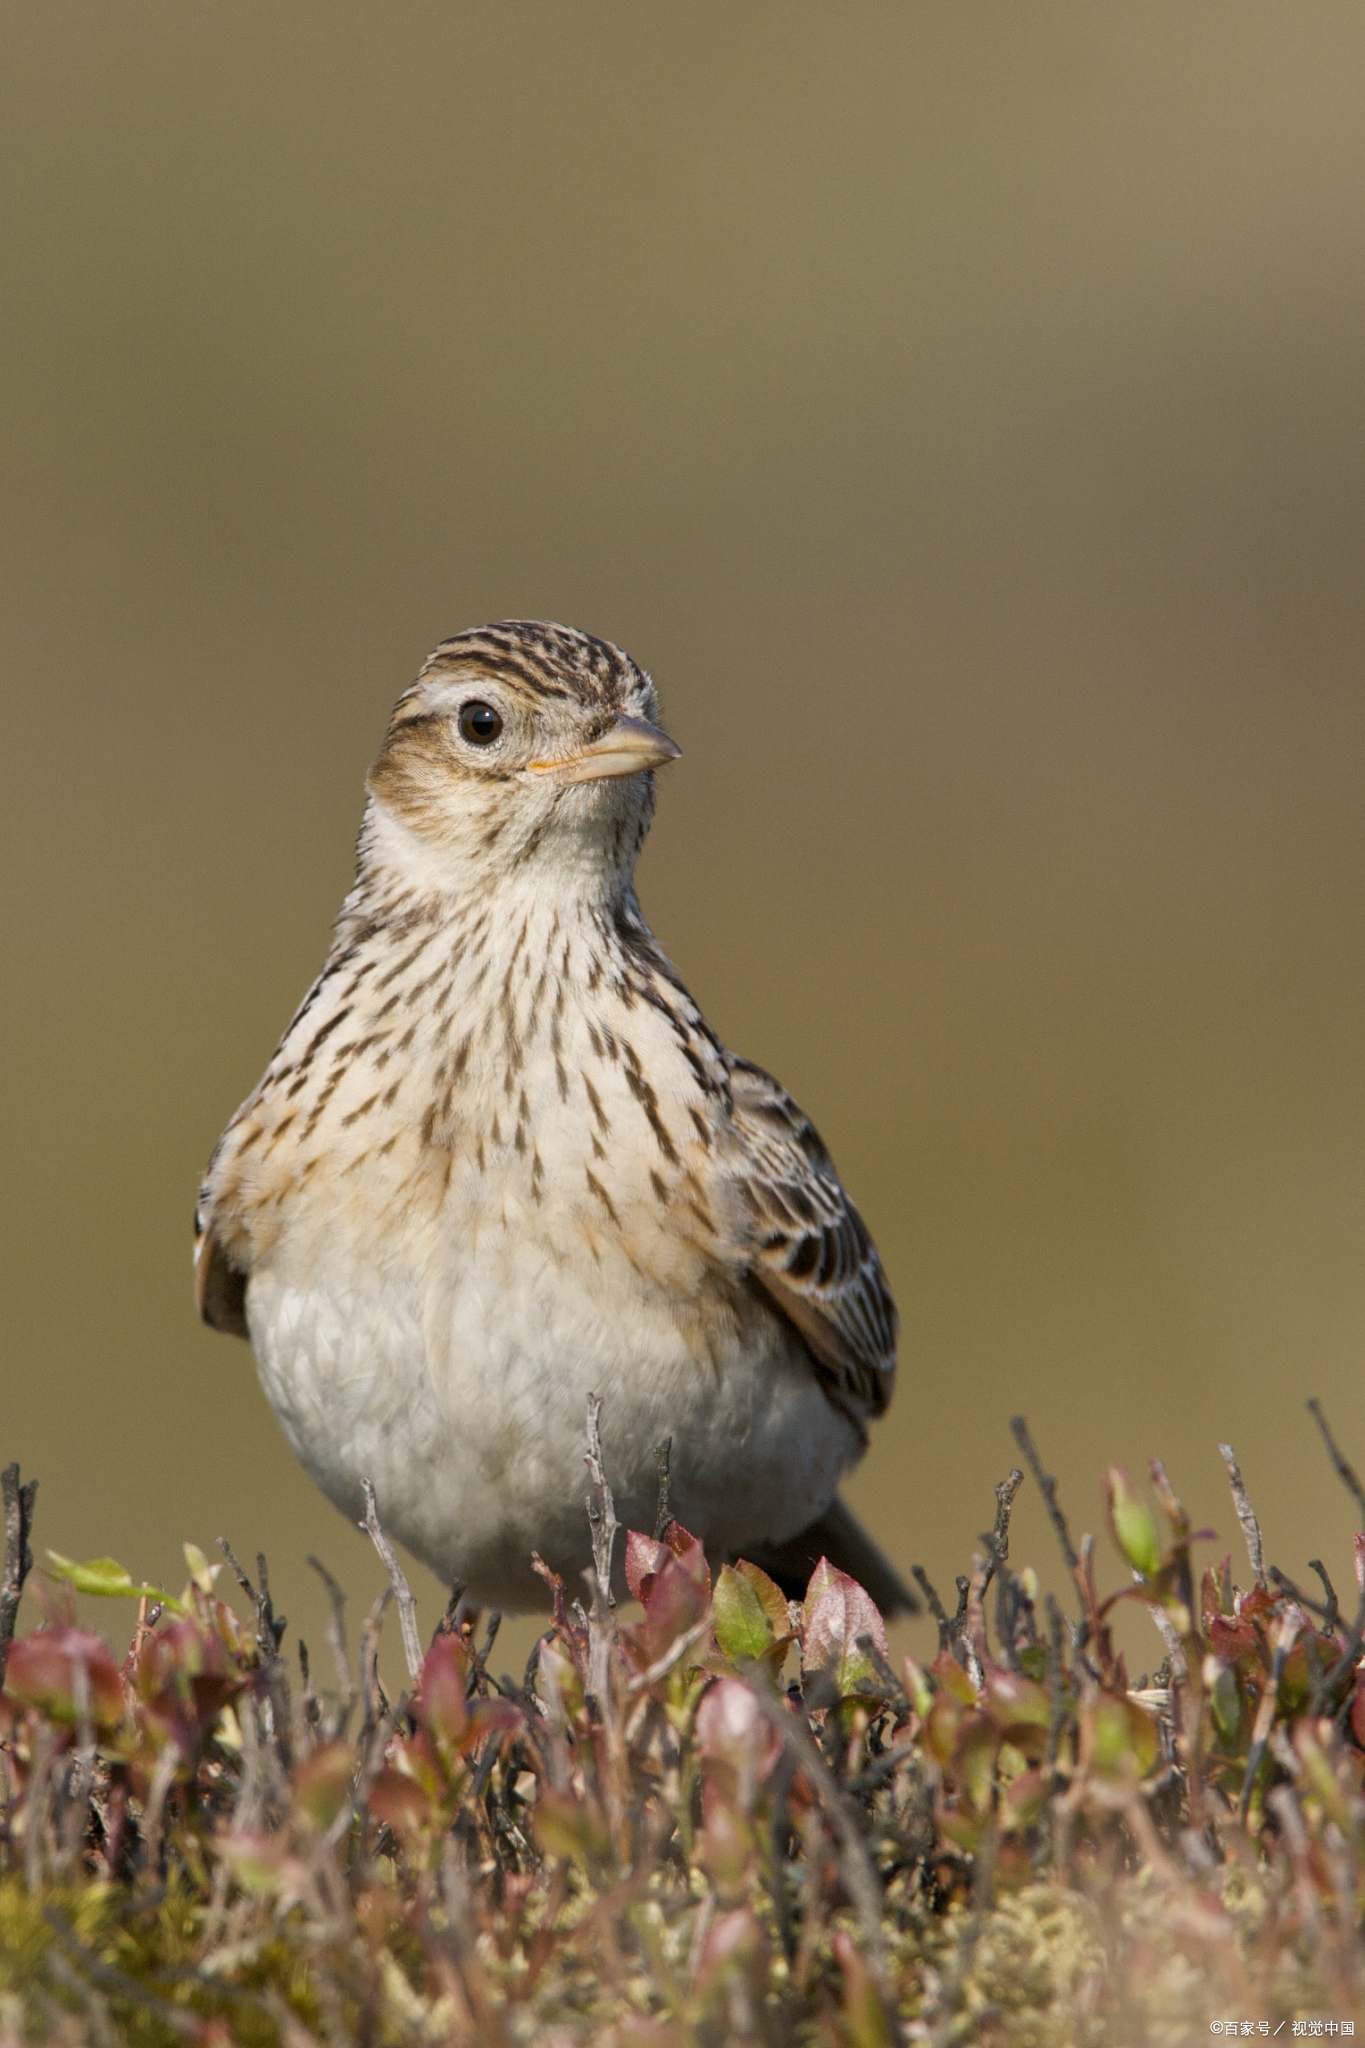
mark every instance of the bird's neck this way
{"type": "Point", "coordinates": [402, 872]}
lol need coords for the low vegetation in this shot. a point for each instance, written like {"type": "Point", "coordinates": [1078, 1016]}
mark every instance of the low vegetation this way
{"type": "Point", "coordinates": [728, 1819]}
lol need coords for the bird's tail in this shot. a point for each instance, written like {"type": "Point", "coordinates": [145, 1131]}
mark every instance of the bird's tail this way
{"type": "Point", "coordinates": [839, 1536]}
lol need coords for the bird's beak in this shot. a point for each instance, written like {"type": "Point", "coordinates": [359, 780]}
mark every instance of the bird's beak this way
{"type": "Point", "coordinates": [624, 749]}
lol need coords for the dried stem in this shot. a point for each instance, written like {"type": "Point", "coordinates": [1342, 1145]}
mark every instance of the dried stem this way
{"type": "Point", "coordinates": [18, 1553]}
{"type": "Point", "coordinates": [1265, 1714]}
{"type": "Point", "coordinates": [1343, 1471]}
{"type": "Point", "coordinates": [856, 1867]}
{"type": "Point", "coordinates": [1246, 1514]}
{"type": "Point", "coordinates": [1056, 1674]}
{"type": "Point", "coordinates": [336, 1643]}
{"type": "Point", "coordinates": [1047, 1486]}
{"type": "Point", "coordinates": [997, 1542]}
{"type": "Point", "coordinates": [1331, 1613]}
{"type": "Point", "coordinates": [603, 1523]}
{"type": "Point", "coordinates": [402, 1591]}
{"type": "Point", "coordinates": [935, 1605]}
{"type": "Point", "coordinates": [664, 1512]}
{"type": "Point", "coordinates": [269, 1627]}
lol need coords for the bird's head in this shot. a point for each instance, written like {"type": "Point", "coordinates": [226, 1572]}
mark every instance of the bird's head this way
{"type": "Point", "coordinates": [520, 749]}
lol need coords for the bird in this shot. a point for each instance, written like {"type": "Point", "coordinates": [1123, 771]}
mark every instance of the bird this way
{"type": "Point", "coordinates": [500, 1165]}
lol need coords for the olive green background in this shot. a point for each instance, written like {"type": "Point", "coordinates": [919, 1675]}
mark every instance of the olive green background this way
{"type": "Point", "coordinates": [960, 411]}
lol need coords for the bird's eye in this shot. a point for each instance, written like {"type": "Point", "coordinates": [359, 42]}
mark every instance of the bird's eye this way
{"type": "Point", "coordinates": [480, 724]}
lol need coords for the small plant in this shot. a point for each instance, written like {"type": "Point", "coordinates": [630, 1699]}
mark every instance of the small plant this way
{"type": "Point", "coordinates": [728, 1819]}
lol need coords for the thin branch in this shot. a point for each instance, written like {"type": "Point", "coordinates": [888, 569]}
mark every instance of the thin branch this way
{"type": "Point", "coordinates": [664, 1512]}
{"type": "Point", "coordinates": [1047, 1486]}
{"type": "Point", "coordinates": [1284, 1584]}
{"type": "Point", "coordinates": [18, 1553]}
{"type": "Point", "coordinates": [1056, 1677]}
{"type": "Point", "coordinates": [1343, 1471]}
{"type": "Point", "coordinates": [402, 1591]}
{"type": "Point", "coordinates": [1332, 1611]}
{"type": "Point", "coordinates": [934, 1604]}
{"type": "Point", "coordinates": [1336, 1681]}
{"type": "Point", "coordinates": [376, 1707]}
{"type": "Point", "coordinates": [336, 1641]}
{"type": "Point", "coordinates": [478, 1665]}
{"type": "Point", "coordinates": [1285, 1636]}
{"type": "Point", "coordinates": [1246, 1513]}
{"type": "Point", "coordinates": [269, 1628]}
{"type": "Point", "coordinates": [997, 1542]}
{"type": "Point", "coordinates": [602, 1521]}
{"type": "Point", "coordinates": [856, 1867]}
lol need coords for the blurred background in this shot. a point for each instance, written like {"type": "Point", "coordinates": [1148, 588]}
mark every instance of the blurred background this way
{"type": "Point", "coordinates": [961, 412]}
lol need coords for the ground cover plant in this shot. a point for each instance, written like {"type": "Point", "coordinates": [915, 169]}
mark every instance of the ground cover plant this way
{"type": "Point", "coordinates": [726, 1820]}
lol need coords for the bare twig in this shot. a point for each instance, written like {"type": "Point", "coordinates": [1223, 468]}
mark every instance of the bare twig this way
{"type": "Point", "coordinates": [664, 1512]}
{"type": "Point", "coordinates": [478, 1663]}
{"type": "Point", "coordinates": [77, 1817]}
{"type": "Point", "coordinates": [602, 1521]}
{"type": "Point", "coordinates": [1293, 1591]}
{"type": "Point", "coordinates": [1285, 1636]}
{"type": "Point", "coordinates": [1055, 1679]}
{"type": "Point", "coordinates": [984, 1567]}
{"type": "Point", "coordinates": [163, 1777]}
{"type": "Point", "coordinates": [856, 1867]}
{"type": "Point", "coordinates": [336, 1643]}
{"type": "Point", "coordinates": [402, 1591]}
{"type": "Point", "coordinates": [269, 1627]}
{"type": "Point", "coordinates": [935, 1605]}
{"type": "Point", "coordinates": [375, 1705]}
{"type": "Point", "coordinates": [998, 1541]}
{"type": "Point", "coordinates": [1335, 1682]}
{"type": "Point", "coordinates": [1246, 1513]}
{"type": "Point", "coordinates": [18, 1552]}
{"type": "Point", "coordinates": [1331, 1613]}
{"type": "Point", "coordinates": [1047, 1486]}
{"type": "Point", "coordinates": [1343, 1471]}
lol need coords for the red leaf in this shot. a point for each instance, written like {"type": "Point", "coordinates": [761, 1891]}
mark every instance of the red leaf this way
{"type": "Point", "coordinates": [837, 1612]}
{"type": "Point", "coordinates": [42, 1673]}
{"type": "Point", "coordinates": [734, 1733]}
{"type": "Point", "coordinates": [644, 1560]}
{"type": "Point", "coordinates": [399, 1801]}
{"type": "Point", "coordinates": [441, 1694]}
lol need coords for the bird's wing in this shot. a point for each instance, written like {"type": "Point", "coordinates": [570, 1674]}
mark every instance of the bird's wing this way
{"type": "Point", "coordinates": [219, 1285]}
{"type": "Point", "coordinates": [810, 1251]}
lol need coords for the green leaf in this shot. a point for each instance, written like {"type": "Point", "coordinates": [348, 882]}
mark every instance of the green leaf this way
{"type": "Point", "coordinates": [1126, 1742]}
{"type": "Point", "coordinates": [1133, 1524]}
{"type": "Point", "coordinates": [743, 1630]}
{"type": "Point", "coordinates": [202, 1573]}
{"type": "Point", "coordinates": [108, 1580]}
{"type": "Point", "coordinates": [770, 1596]}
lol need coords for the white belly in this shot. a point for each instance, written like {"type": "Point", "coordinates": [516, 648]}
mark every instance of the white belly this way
{"type": "Point", "coordinates": [464, 1399]}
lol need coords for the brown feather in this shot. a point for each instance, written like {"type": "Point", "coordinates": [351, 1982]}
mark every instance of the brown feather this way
{"type": "Point", "coordinates": [219, 1288]}
{"type": "Point", "coordinates": [812, 1255]}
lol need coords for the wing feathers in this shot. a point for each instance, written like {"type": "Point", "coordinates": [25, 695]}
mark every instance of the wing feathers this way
{"type": "Point", "coordinates": [812, 1254]}
{"type": "Point", "coordinates": [219, 1287]}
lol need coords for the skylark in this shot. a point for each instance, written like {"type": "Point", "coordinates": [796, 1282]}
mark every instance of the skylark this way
{"type": "Point", "coordinates": [500, 1162]}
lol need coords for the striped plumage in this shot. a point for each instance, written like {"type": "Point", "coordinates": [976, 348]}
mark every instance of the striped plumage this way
{"type": "Point", "coordinates": [500, 1160]}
